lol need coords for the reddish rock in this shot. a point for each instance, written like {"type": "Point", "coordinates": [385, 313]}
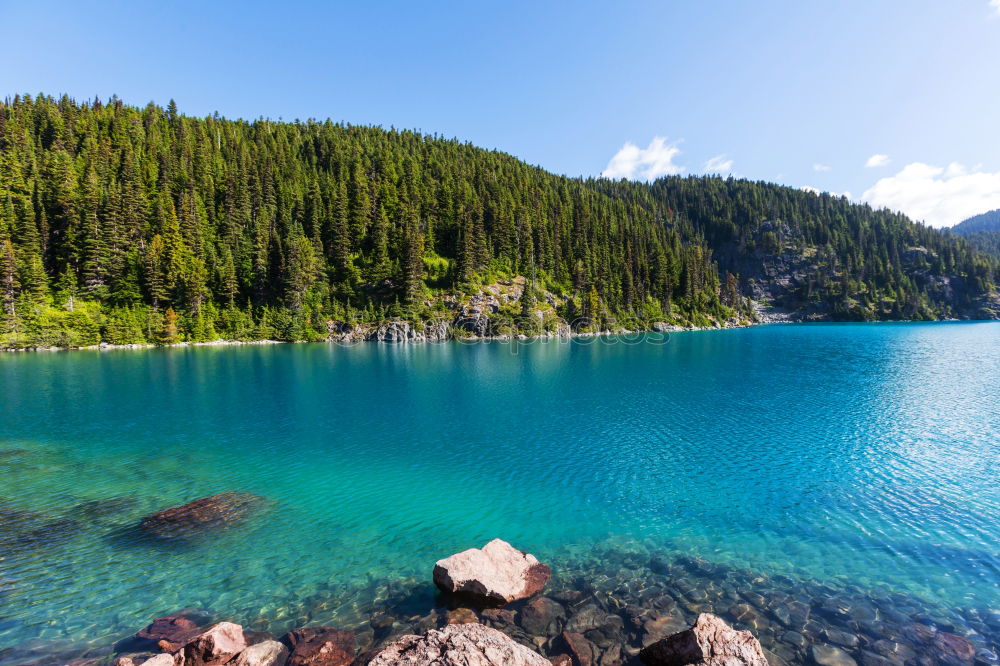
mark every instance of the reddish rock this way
{"type": "Point", "coordinates": [952, 650]}
{"type": "Point", "coordinates": [561, 660]}
{"type": "Point", "coordinates": [203, 514]}
{"type": "Point", "coordinates": [494, 575]}
{"type": "Point", "coordinates": [170, 633]}
{"type": "Point", "coordinates": [215, 647]}
{"type": "Point", "coordinates": [319, 646]}
{"type": "Point", "coordinates": [709, 641]}
{"type": "Point", "coordinates": [579, 648]}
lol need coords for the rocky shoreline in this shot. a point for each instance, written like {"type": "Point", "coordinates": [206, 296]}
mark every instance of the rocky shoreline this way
{"type": "Point", "coordinates": [611, 605]}
{"type": "Point", "coordinates": [400, 331]}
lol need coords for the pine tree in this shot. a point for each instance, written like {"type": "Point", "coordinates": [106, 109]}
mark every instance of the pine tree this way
{"type": "Point", "coordinates": [413, 268]}
{"type": "Point", "coordinates": [9, 284]}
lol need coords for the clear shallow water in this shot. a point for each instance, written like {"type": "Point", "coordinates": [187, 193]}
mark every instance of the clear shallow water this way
{"type": "Point", "coordinates": [862, 455]}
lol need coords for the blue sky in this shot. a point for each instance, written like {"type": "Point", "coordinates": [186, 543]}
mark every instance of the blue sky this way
{"type": "Point", "coordinates": [802, 93]}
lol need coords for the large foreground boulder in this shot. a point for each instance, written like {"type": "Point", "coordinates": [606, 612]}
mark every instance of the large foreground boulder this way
{"type": "Point", "coordinates": [455, 645]}
{"type": "Point", "coordinates": [710, 641]}
{"type": "Point", "coordinates": [194, 518]}
{"type": "Point", "coordinates": [319, 646]}
{"type": "Point", "coordinates": [215, 647]}
{"type": "Point", "coordinates": [496, 574]}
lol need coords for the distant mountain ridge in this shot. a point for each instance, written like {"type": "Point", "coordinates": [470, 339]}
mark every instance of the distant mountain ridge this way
{"type": "Point", "coordinates": [988, 221]}
{"type": "Point", "coordinates": [982, 232]}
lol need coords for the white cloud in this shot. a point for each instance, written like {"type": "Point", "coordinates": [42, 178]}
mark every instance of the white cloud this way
{"type": "Point", "coordinates": [816, 190]}
{"type": "Point", "coordinates": [635, 163]}
{"type": "Point", "coordinates": [878, 159]}
{"type": "Point", "coordinates": [720, 164]}
{"type": "Point", "coordinates": [938, 196]}
{"type": "Point", "coordinates": [820, 167]}
{"type": "Point", "coordinates": [995, 4]}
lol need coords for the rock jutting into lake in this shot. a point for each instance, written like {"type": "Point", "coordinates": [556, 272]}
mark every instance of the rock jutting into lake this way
{"type": "Point", "coordinates": [710, 641]}
{"type": "Point", "coordinates": [496, 574]}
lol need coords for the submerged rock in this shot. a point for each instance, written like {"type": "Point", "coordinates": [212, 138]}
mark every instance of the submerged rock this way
{"type": "Point", "coordinates": [578, 647]}
{"type": "Point", "coordinates": [216, 646]}
{"type": "Point", "coordinates": [203, 514]}
{"type": "Point", "coordinates": [455, 645]}
{"type": "Point", "coordinates": [320, 646]}
{"type": "Point", "coordinates": [496, 574]}
{"type": "Point", "coordinates": [542, 616]}
{"type": "Point", "coordinates": [170, 633]}
{"type": "Point", "coordinates": [829, 655]}
{"type": "Point", "coordinates": [99, 509]}
{"type": "Point", "coordinates": [953, 650]}
{"type": "Point", "coordinates": [710, 641]}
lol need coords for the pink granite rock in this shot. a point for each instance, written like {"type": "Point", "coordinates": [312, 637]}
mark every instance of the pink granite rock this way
{"type": "Point", "coordinates": [216, 646]}
{"type": "Point", "coordinates": [711, 642]}
{"type": "Point", "coordinates": [496, 574]}
{"type": "Point", "coordinates": [455, 645]}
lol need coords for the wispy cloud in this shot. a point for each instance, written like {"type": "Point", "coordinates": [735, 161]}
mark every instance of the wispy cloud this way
{"type": "Point", "coordinates": [878, 159]}
{"type": "Point", "coordinates": [938, 196]}
{"type": "Point", "coordinates": [649, 163]}
{"type": "Point", "coordinates": [820, 167]}
{"type": "Point", "coordinates": [816, 190]}
{"type": "Point", "coordinates": [995, 4]}
{"type": "Point", "coordinates": [719, 164]}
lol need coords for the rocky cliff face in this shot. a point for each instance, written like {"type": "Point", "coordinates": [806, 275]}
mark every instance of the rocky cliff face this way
{"type": "Point", "coordinates": [785, 279]}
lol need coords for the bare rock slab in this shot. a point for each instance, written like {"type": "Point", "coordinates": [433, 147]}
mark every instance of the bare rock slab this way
{"type": "Point", "coordinates": [709, 641]}
{"type": "Point", "coordinates": [495, 575]}
{"type": "Point", "coordinates": [456, 645]}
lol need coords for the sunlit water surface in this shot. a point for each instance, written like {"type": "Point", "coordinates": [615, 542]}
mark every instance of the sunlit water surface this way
{"type": "Point", "coordinates": [860, 453]}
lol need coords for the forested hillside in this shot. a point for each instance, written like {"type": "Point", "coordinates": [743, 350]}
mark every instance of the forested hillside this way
{"type": "Point", "coordinates": [982, 232]}
{"type": "Point", "coordinates": [131, 225]}
{"type": "Point", "coordinates": [821, 256]}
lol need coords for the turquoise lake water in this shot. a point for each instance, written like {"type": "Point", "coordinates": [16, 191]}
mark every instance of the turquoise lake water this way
{"type": "Point", "coordinates": [860, 454]}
